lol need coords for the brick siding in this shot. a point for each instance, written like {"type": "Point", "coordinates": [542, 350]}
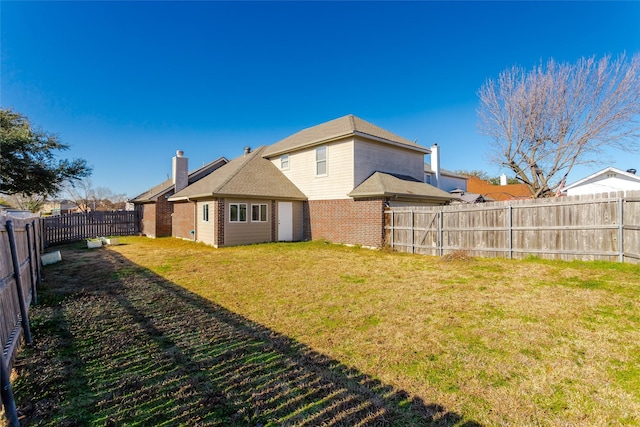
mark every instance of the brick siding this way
{"type": "Point", "coordinates": [358, 222]}
{"type": "Point", "coordinates": [219, 205]}
{"type": "Point", "coordinates": [182, 221]}
{"type": "Point", "coordinates": [164, 209]}
{"type": "Point", "coordinates": [148, 219]}
{"type": "Point", "coordinates": [274, 221]}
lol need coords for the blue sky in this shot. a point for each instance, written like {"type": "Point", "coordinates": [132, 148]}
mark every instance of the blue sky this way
{"type": "Point", "coordinates": [126, 84]}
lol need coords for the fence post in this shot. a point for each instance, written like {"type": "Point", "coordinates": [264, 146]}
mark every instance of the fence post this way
{"type": "Point", "coordinates": [392, 229]}
{"type": "Point", "coordinates": [24, 314]}
{"type": "Point", "coordinates": [36, 232]}
{"type": "Point", "coordinates": [621, 229]}
{"type": "Point", "coordinates": [413, 248]}
{"type": "Point", "coordinates": [34, 293]}
{"type": "Point", "coordinates": [510, 231]}
{"type": "Point", "coordinates": [8, 401]}
{"type": "Point", "coordinates": [440, 225]}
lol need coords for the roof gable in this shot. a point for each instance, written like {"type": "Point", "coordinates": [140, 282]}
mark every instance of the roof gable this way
{"type": "Point", "coordinates": [345, 126]}
{"type": "Point", "coordinates": [248, 176]}
{"type": "Point", "coordinates": [603, 174]}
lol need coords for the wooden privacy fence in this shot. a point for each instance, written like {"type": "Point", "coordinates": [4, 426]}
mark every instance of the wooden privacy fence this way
{"type": "Point", "coordinates": [586, 227]}
{"type": "Point", "coordinates": [19, 276]}
{"type": "Point", "coordinates": [78, 226]}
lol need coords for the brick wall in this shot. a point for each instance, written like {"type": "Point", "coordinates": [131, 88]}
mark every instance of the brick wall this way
{"type": "Point", "coordinates": [273, 219]}
{"type": "Point", "coordinates": [164, 209]}
{"type": "Point", "coordinates": [147, 219]}
{"type": "Point", "coordinates": [219, 206]}
{"type": "Point", "coordinates": [348, 221]}
{"type": "Point", "coordinates": [182, 221]}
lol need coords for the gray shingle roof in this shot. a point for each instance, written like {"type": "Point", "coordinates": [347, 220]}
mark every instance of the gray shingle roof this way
{"type": "Point", "coordinates": [247, 176]}
{"type": "Point", "coordinates": [382, 184]}
{"type": "Point", "coordinates": [335, 129]}
{"type": "Point", "coordinates": [164, 187]}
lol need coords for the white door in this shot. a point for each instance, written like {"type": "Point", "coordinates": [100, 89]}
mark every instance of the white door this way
{"type": "Point", "coordinates": [285, 221]}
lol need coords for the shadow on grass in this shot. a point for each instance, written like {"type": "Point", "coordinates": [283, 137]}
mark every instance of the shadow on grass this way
{"type": "Point", "coordinates": [116, 344]}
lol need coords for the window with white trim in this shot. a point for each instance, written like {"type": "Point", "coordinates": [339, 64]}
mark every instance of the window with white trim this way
{"type": "Point", "coordinates": [258, 213]}
{"type": "Point", "coordinates": [284, 162]}
{"type": "Point", "coordinates": [205, 212]}
{"type": "Point", "coordinates": [321, 161]}
{"type": "Point", "coordinates": [237, 212]}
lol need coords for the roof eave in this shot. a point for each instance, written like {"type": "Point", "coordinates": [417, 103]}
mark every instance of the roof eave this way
{"type": "Point", "coordinates": [399, 195]}
{"type": "Point", "coordinates": [189, 197]}
{"type": "Point", "coordinates": [231, 195]}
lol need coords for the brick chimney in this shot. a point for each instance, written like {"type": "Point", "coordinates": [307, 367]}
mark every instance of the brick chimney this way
{"type": "Point", "coordinates": [180, 171]}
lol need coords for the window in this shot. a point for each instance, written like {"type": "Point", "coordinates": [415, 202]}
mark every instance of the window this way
{"type": "Point", "coordinates": [321, 161]}
{"type": "Point", "coordinates": [205, 212]}
{"type": "Point", "coordinates": [237, 212]}
{"type": "Point", "coordinates": [258, 213]}
{"type": "Point", "coordinates": [284, 162]}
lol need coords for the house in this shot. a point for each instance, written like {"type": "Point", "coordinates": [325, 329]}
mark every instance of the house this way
{"type": "Point", "coordinates": [350, 169]}
{"type": "Point", "coordinates": [157, 213]}
{"type": "Point", "coordinates": [470, 198]}
{"type": "Point", "coordinates": [500, 192]}
{"type": "Point", "coordinates": [442, 178]}
{"type": "Point", "coordinates": [246, 201]}
{"type": "Point", "coordinates": [330, 181]}
{"type": "Point", "coordinates": [59, 207]}
{"type": "Point", "coordinates": [605, 181]}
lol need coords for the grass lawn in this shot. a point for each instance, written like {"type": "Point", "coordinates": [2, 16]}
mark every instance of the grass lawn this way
{"type": "Point", "coordinates": [168, 332]}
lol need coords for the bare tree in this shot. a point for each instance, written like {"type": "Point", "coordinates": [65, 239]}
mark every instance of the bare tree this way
{"type": "Point", "coordinates": [82, 193]}
{"type": "Point", "coordinates": [545, 121]}
{"type": "Point", "coordinates": [32, 202]}
{"type": "Point", "coordinates": [90, 198]}
{"type": "Point", "coordinates": [101, 198]}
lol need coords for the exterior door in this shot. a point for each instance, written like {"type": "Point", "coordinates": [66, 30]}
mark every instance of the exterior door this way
{"type": "Point", "coordinates": [285, 221]}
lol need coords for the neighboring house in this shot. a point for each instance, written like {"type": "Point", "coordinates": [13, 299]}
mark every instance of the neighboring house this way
{"type": "Point", "coordinates": [466, 197]}
{"type": "Point", "coordinates": [59, 207]}
{"type": "Point", "coordinates": [442, 178]}
{"type": "Point", "coordinates": [156, 212]}
{"type": "Point", "coordinates": [330, 181]}
{"type": "Point", "coordinates": [605, 181]}
{"type": "Point", "coordinates": [498, 192]}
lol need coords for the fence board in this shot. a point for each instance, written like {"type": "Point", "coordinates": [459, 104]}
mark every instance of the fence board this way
{"type": "Point", "coordinates": [19, 275]}
{"type": "Point", "coordinates": [587, 227]}
{"type": "Point", "coordinates": [79, 226]}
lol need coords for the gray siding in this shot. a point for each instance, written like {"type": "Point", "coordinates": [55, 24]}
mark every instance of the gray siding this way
{"type": "Point", "coordinates": [245, 233]}
{"type": "Point", "coordinates": [371, 157]}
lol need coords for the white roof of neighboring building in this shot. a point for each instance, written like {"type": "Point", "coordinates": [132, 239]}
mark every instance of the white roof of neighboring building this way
{"type": "Point", "coordinates": [606, 180]}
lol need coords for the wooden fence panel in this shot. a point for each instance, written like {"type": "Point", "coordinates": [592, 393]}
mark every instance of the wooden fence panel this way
{"type": "Point", "coordinates": [631, 230]}
{"type": "Point", "coordinates": [19, 275]}
{"type": "Point", "coordinates": [79, 226]}
{"type": "Point", "coordinates": [589, 227]}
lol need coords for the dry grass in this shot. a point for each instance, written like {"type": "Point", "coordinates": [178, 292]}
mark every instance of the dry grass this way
{"type": "Point", "coordinates": [272, 328]}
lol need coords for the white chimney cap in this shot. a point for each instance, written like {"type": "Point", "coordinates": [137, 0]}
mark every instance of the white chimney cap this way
{"type": "Point", "coordinates": [179, 153]}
